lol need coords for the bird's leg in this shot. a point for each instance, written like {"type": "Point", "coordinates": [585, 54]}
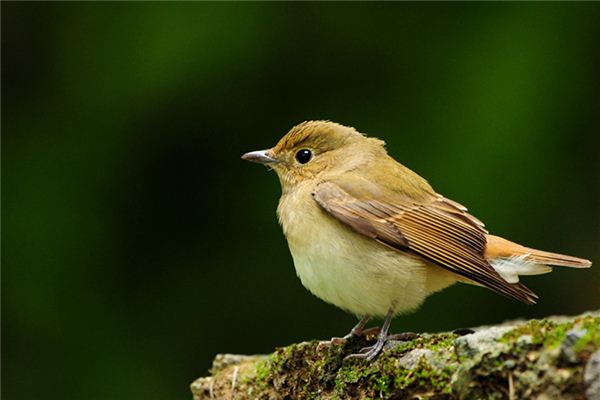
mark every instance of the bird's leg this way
{"type": "Point", "coordinates": [358, 329]}
{"type": "Point", "coordinates": [373, 351]}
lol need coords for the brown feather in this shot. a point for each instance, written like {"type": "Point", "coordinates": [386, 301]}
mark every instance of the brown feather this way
{"type": "Point", "coordinates": [499, 247]}
{"type": "Point", "coordinates": [437, 230]}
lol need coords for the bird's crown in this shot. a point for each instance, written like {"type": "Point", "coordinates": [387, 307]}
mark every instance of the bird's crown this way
{"type": "Point", "coordinates": [320, 135]}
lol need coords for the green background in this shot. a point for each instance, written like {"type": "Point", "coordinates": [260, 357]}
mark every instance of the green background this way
{"type": "Point", "coordinates": [136, 243]}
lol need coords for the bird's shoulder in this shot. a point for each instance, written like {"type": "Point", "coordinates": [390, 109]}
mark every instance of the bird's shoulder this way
{"type": "Point", "coordinates": [383, 179]}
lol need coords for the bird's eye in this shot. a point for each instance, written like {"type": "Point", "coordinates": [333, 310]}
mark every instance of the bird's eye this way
{"type": "Point", "coordinates": [303, 156]}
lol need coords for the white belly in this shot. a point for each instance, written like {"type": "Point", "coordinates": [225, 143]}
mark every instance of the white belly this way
{"type": "Point", "coordinates": [350, 270]}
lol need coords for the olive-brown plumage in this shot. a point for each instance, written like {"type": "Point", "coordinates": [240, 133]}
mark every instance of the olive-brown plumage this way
{"type": "Point", "coordinates": [372, 237]}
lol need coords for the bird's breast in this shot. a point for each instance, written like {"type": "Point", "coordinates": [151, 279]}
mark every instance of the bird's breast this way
{"type": "Point", "coordinates": [346, 268]}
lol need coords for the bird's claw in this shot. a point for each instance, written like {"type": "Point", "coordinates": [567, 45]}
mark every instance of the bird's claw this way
{"type": "Point", "coordinates": [368, 353]}
{"type": "Point", "coordinates": [340, 341]}
{"type": "Point", "coordinates": [371, 352]}
{"type": "Point", "coordinates": [335, 341]}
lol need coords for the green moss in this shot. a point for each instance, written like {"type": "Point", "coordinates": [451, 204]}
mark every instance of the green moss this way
{"type": "Point", "coordinates": [386, 377]}
{"type": "Point", "coordinates": [306, 370]}
{"type": "Point", "coordinates": [436, 342]}
{"type": "Point", "coordinates": [527, 361]}
{"type": "Point", "coordinates": [424, 379]}
{"type": "Point", "coordinates": [536, 329]}
{"type": "Point", "coordinates": [263, 370]}
{"type": "Point", "coordinates": [592, 336]}
{"type": "Point", "coordinates": [551, 334]}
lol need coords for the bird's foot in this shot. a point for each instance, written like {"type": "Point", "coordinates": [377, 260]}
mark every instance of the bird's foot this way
{"type": "Point", "coordinates": [334, 341]}
{"type": "Point", "coordinates": [368, 334]}
{"type": "Point", "coordinates": [371, 352]}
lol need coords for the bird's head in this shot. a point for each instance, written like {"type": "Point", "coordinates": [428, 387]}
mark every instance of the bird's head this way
{"type": "Point", "coordinates": [314, 150]}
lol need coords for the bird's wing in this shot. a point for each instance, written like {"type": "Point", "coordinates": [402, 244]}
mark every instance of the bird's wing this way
{"type": "Point", "coordinates": [436, 229]}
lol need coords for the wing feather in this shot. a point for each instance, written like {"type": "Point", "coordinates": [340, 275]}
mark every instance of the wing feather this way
{"type": "Point", "coordinates": [438, 230]}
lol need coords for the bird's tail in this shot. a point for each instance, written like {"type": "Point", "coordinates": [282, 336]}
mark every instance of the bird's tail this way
{"type": "Point", "coordinates": [510, 259]}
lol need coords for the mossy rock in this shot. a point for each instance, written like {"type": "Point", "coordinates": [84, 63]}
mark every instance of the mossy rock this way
{"type": "Point", "coordinates": [553, 358]}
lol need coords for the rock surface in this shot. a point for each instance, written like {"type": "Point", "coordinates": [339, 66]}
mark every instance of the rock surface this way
{"type": "Point", "coordinates": [553, 358]}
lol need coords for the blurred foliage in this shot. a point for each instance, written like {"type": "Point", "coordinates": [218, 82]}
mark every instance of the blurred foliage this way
{"type": "Point", "coordinates": [137, 245]}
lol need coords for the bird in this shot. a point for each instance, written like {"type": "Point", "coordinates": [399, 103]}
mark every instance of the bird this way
{"type": "Point", "coordinates": [372, 237]}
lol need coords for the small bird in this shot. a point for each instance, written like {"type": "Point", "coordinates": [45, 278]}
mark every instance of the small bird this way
{"type": "Point", "coordinates": [372, 237]}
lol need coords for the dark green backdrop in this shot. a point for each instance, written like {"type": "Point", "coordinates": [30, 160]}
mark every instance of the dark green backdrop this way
{"type": "Point", "coordinates": [136, 243]}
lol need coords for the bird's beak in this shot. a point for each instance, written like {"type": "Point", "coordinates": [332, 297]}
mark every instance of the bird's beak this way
{"type": "Point", "coordinates": [260, 156]}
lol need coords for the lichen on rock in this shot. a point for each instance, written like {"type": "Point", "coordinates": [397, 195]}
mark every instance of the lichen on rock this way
{"type": "Point", "coordinates": [557, 357]}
